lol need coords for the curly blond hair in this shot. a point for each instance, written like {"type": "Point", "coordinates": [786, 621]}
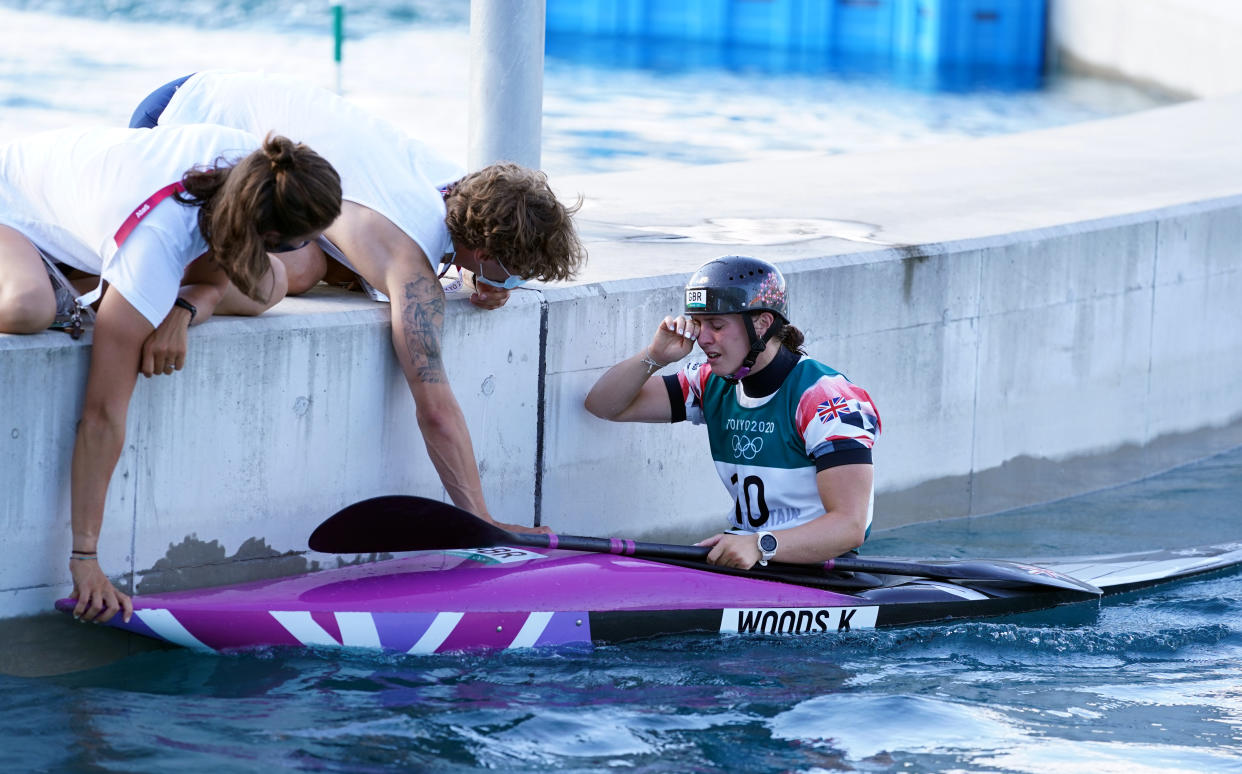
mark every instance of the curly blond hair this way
{"type": "Point", "coordinates": [511, 213]}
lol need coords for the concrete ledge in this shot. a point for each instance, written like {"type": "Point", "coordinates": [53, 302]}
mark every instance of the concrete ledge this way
{"type": "Point", "coordinates": [1016, 306]}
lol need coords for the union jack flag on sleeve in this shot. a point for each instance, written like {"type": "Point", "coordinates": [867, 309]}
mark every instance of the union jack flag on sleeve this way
{"type": "Point", "coordinates": [690, 383]}
{"type": "Point", "coordinates": [838, 421]}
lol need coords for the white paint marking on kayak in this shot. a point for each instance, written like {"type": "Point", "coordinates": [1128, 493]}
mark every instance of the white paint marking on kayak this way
{"type": "Point", "coordinates": [497, 554]}
{"type": "Point", "coordinates": [306, 629]}
{"type": "Point", "coordinates": [358, 630]}
{"type": "Point", "coordinates": [166, 625]}
{"type": "Point", "coordinates": [437, 633]}
{"type": "Point", "coordinates": [797, 620]}
{"type": "Point", "coordinates": [534, 626]}
{"type": "Point", "coordinates": [958, 591]}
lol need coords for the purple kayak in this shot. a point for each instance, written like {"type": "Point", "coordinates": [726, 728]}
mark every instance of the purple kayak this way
{"type": "Point", "coordinates": [521, 591]}
{"type": "Point", "coordinates": [488, 598]}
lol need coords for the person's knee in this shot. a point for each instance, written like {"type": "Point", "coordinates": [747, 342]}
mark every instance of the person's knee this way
{"type": "Point", "coordinates": [26, 309]}
{"type": "Point", "coordinates": [280, 284]}
{"type": "Point", "coordinates": [278, 289]}
{"type": "Point", "coordinates": [304, 269]}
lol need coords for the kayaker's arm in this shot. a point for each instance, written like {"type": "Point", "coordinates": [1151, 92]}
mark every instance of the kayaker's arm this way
{"type": "Point", "coordinates": [627, 393]}
{"type": "Point", "coordinates": [846, 494]}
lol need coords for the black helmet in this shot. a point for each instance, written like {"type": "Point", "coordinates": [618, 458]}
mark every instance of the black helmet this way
{"type": "Point", "coordinates": [735, 284]}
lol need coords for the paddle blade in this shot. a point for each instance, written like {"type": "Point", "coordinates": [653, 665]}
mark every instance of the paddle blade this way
{"type": "Point", "coordinates": [402, 523]}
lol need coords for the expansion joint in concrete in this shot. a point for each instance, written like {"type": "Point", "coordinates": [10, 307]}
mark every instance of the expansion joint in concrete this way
{"type": "Point", "coordinates": [541, 409]}
{"type": "Point", "coordinates": [1151, 331]}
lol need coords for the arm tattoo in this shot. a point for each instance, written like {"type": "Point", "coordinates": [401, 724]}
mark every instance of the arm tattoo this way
{"type": "Point", "coordinates": [421, 320]}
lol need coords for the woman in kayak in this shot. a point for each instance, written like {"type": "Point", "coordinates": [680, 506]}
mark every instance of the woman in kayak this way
{"type": "Point", "coordinates": [137, 208]}
{"type": "Point", "coordinates": [790, 436]}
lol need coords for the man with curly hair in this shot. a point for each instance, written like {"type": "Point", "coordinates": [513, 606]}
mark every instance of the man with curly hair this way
{"type": "Point", "coordinates": [408, 216]}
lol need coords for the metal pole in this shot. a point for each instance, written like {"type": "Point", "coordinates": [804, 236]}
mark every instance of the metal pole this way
{"type": "Point", "coordinates": [506, 81]}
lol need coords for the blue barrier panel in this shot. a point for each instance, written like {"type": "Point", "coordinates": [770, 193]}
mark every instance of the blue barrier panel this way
{"type": "Point", "coordinates": [1006, 33]}
{"type": "Point", "coordinates": [705, 21]}
{"type": "Point", "coordinates": [584, 17]}
{"type": "Point", "coordinates": [813, 29]}
{"type": "Point", "coordinates": [773, 23]}
{"type": "Point", "coordinates": [862, 26]}
{"type": "Point", "coordinates": [994, 32]}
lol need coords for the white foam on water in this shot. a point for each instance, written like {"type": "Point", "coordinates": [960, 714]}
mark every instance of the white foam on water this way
{"type": "Point", "coordinates": [863, 726]}
{"type": "Point", "coordinates": [1069, 756]}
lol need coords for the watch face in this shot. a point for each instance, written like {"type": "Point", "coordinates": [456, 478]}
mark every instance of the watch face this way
{"type": "Point", "coordinates": [767, 543]}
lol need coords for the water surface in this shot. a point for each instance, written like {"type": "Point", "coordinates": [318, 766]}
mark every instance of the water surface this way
{"type": "Point", "coordinates": [1146, 683]}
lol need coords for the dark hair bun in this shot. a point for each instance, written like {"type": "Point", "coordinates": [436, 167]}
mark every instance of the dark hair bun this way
{"type": "Point", "coordinates": [279, 151]}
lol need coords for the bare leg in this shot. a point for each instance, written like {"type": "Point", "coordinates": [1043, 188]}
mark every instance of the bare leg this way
{"type": "Point", "coordinates": [305, 267]}
{"type": "Point", "coordinates": [298, 270]}
{"type": "Point", "coordinates": [27, 300]}
{"type": "Point", "coordinates": [237, 303]}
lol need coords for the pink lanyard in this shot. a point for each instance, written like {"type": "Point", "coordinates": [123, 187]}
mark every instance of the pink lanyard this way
{"type": "Point", "coordinates": [127, 228]}
{"type": "Point", "coordinates": [144, 209]}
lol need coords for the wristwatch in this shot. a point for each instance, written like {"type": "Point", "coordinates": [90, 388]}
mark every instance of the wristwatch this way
{"type": "Point", "coordinates": [767, 546]}
{"type": "Point", "coordinates": [186, 305]}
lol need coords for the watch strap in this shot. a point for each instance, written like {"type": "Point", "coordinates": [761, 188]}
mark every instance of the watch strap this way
{"type": "Point", "coordinates": [186, 305]}
{"type": "Point", "coordinates": [764, 555]}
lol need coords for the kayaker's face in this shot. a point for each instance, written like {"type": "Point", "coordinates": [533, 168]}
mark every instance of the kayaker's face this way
{"type": "Point", "coordinates": [722, 337]}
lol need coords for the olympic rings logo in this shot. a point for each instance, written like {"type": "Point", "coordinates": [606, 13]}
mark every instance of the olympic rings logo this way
{"type": "Point", "coordinates": [746, 447]}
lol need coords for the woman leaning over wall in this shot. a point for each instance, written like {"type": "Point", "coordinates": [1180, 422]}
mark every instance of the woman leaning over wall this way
{"type": "Point", "coordinates": [144, 210]}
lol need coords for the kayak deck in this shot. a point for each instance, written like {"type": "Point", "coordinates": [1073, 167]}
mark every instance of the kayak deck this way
{"type": "Point", "coordinates": [1119, 573]}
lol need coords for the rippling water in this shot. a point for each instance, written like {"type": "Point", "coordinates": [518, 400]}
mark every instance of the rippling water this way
{"type": "Point", "coordinates": [608, 105]}
{"type": "Point", "coordinates": [1148, 682]}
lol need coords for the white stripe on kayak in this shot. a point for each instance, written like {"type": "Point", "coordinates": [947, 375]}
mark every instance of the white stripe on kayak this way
{"type": "Point", "coordinates": [358, 630]}
{"type": "Point", "coordinates": [307, 631]}
{"type": "Point", "coordinates": [166, 625]}
{"type": "Point", "coordinates": [437, 633]}
{"type": "Point", "coordinates": [534, 626]}
{"type": "Point", "coordinates": [948, 588]}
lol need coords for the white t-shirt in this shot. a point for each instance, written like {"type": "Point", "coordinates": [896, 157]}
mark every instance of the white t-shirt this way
{"type": "Point", "coordinates": [69, 191]}
{"type": "Point", "coordinates": [380, 166]}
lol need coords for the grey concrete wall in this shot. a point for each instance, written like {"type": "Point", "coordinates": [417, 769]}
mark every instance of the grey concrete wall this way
{"type": "Point", "coordinates": [1020, 307]}
{"type": "Point", "coordinates": [275, 423]}
{"type": "Point", "coordinates": [1184, 46]}
{"type": "Point", "coordinates": [997, 366]}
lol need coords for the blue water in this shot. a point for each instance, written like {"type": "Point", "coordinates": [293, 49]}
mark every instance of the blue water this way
{"type": "Point", "coordinates": [1147, 683]}
{"type": "Point", "coordinates": [609, 105]}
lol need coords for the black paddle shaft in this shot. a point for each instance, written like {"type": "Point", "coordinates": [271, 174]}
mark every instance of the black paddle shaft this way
{"type": "Point", "coordinates": [407, 523]}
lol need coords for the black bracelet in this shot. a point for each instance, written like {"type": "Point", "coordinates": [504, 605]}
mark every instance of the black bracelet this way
{"type": "Point", "coordinates": [186, 305]}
